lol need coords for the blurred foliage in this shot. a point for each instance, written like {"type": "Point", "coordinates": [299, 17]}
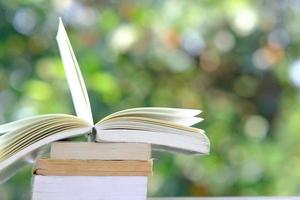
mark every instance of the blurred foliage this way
{"type": "Point", "coordinates": [237, 60]}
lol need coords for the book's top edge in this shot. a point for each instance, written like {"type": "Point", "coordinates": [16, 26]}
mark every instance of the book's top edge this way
{"type": "Point", "coordinates": [98, 143]}
{"type": "Point", "coordinates": [54, 160]}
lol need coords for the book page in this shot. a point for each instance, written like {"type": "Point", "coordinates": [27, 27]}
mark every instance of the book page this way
{"type": "Point", "coordinates": [4, 128]}
{"type": "Point", "coordinates": [165, 128]}
{"type": "Point", "coordinates": [162, 110]}
{"type": "Point", "coordinates": [184, 117]}
{"type": "Point", "coordinates": [21, 142]}
{"type": "Point", "coordinates": [161, 140]}
{"type": "Point", "coordinates": [145, 124]}
{"type": "Point", "coordinates": [74, 77]}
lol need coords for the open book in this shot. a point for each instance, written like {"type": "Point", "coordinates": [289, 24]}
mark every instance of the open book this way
{"type": "Point", "coordinates": [163, 128]}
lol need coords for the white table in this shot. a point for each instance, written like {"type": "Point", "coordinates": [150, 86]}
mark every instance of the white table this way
{"type": "Point", "coordinates": [227, 198]}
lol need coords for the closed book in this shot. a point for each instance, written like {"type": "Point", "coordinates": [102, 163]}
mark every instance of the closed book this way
{"type": "Point", "coordinates": [56, 167]}
{"type": "Point", "coordinates": [100, 151]}
{"type": "Point", "coordinates": [89, 187]}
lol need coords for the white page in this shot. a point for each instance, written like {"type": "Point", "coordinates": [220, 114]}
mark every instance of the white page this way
{"type": "Point", "coordinates": [164, 140]}
{"type": "Point", "coordinates": [24, 122]}
{"type": "Point", "coordinates": [10, 165]}
{"type": "Point", "coordinates": [74, 77]}
{"type": "Point", "coordinates": [185, 117]}
{"type": "Point", "coordinates": [163, 110]}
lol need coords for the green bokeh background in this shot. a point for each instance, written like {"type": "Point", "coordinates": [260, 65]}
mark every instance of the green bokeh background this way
{"type": "Point", "coordinates": [237, 60]}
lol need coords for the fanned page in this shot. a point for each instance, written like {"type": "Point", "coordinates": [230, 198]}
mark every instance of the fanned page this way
{"type": "Point", "coordinates": [22, 139]}
{"type": "Point", "coordinates": [164, 128]}
{"type": "Point", "coordinates": [74, 77]}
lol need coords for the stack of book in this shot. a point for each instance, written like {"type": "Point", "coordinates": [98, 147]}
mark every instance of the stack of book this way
{"type": "Point", "coordinates": [116, 164]}
{"type": "Point", "coordinates": [87, 170]}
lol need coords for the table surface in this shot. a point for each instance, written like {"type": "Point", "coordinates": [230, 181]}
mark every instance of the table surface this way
{"type": "Point", "coordinates": [227, 198]}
